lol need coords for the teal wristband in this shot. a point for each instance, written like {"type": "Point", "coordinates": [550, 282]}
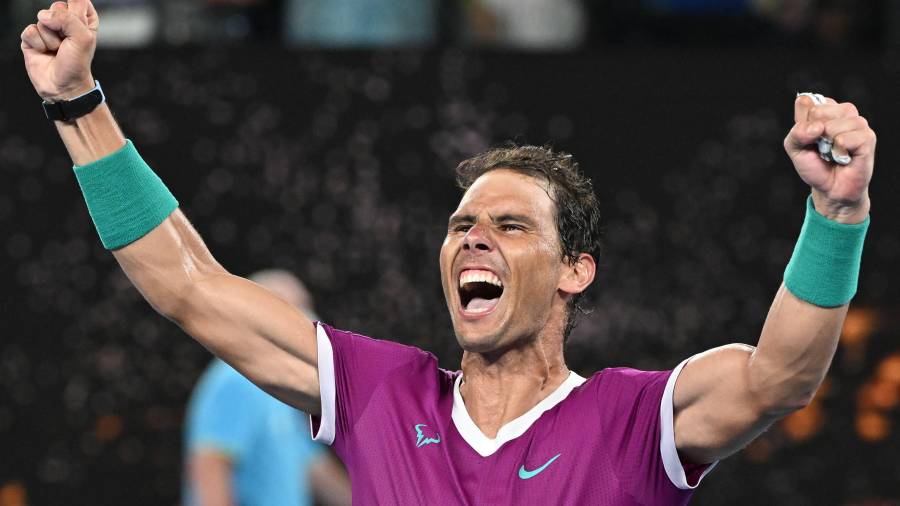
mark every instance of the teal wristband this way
{"type": "Point", "coordinates": [824, 268]}
{"type": "Point", "coordinates": [125, 199]}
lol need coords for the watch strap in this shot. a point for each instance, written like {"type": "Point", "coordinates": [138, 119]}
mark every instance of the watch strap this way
{"type": "Point", "coordinates": [67, 110]}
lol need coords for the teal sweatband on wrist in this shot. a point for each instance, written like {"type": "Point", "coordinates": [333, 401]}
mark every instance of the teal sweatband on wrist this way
{"type": "Point", "coordinates": [125, 198]}
{"type": "Point", "coordinates": [824, 268]}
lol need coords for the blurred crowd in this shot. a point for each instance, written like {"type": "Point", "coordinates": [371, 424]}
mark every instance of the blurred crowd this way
{"type": "Point", "coordinates": [349, 184]}
{"type": "Point", "coordinates": [531, 25]}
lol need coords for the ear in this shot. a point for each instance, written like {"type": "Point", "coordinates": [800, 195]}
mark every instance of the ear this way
{"type": "Point", "coordinates": [578, 275]}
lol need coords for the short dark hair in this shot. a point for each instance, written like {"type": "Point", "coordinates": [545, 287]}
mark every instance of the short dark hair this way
{"type": "Point", "coordinates": [577, 206]}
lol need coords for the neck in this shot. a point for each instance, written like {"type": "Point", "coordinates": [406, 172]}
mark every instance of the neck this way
{"type": "Point", "coordinates": [499, 388]}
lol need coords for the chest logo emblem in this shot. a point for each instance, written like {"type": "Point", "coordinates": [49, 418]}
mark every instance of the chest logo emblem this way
{"type": "Point", "coordinates": [421, 440]}
{"type": "Point", "coordinates": [523, 474]}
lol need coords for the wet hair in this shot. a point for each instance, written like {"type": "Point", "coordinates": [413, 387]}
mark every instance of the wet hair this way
{"type": "Point", "coordinates": [577, 207]}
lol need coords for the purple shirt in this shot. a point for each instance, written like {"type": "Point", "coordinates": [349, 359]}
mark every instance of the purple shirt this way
{"type": "Point", "coordinates": [398, 423]}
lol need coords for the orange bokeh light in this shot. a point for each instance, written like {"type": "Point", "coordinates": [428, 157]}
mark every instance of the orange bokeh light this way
{"type": "Point", "coordinates": [108, 428]}
{"type": "Point", "coordinates": [858, 325]}
{"type": "Point", "coordinates": [13, 494]}
{"type": "Point", "coordinates": [872, 426]}
{"type": "Point", "coordinates": [803, 424]}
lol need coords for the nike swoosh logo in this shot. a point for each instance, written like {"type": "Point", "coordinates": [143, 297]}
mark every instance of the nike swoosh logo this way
{"type": "Point", "coordinates": [531, 474]}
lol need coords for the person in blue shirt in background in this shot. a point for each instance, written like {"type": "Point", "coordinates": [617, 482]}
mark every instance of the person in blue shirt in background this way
{"type": "Point", "coordinates": [244, 447]}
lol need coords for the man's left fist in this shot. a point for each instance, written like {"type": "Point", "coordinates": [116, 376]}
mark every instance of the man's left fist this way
{"type": "Point", "coordinates": [840, 192]}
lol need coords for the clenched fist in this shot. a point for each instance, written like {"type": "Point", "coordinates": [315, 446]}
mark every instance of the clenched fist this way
{"type": "Point", "coordinates": [840, 192]}
{"type": "Point", "coordinates": [58, 49]}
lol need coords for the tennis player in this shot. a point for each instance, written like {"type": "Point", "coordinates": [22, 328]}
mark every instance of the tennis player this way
{"type": "Point", "coordinates": [515, 425]}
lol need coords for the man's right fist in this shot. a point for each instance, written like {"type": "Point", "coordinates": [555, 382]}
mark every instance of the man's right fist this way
{"type": "Point", "coordinates": [58, 49]}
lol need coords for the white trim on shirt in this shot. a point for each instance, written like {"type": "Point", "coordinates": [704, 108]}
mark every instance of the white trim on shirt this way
{"type": "Point", "coordinates": [327, 389]}
{"type": "Point", "coordinates": [671, 461]}
{"type": "Point", "coordinates": [486, 446]}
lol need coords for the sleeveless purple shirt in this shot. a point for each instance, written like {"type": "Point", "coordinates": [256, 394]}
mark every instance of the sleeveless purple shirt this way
{"type": "Point", "coordinates": [398, 423]}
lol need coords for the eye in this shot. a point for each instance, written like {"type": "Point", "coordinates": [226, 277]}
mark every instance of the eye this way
{"type": "Point", "coordinates": [462, 227]}
{"type": "Point", "coordinates": [510, 227]}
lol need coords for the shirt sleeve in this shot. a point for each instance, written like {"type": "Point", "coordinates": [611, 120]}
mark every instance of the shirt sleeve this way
{"type": "Point", "coordinates": [222, 415]}
{"type": "Point", "coordinates": [351, 368]}
{"type": "Point", "coordinates": [637, 412]}
{"type": "Point", "coordinates": [684, 475]}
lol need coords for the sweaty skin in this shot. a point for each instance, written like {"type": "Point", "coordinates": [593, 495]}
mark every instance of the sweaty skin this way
{"type": "Point", "coordinates": [512, 355]}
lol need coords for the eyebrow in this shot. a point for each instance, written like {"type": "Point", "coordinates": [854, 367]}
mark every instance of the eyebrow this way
{"type": "Point", "coordinates": [459, 219]}
{"type": "Point", "coordinates": [519, 218]}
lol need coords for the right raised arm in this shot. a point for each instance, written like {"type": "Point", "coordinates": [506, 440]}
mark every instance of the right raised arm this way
{"type": "Point", "coordinates": [259, 334]}
{"type": "Point", "coordinates": [264, 337]}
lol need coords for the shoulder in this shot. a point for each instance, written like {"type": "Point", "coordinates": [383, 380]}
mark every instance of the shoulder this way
{"type": "Point", "coordinates": [351, 345]}
{"type": "Point", "coordinates": [625, 384]}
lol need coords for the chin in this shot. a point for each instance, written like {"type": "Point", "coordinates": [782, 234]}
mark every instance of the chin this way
{"type": "Point", "coordinates": [476, 342]}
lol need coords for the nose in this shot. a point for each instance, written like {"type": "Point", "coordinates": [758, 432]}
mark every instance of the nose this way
{"type": "Point", "coordinates": [478, 239]}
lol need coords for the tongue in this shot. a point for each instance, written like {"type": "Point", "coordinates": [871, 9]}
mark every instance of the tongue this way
{"type": "Point", "coordinates": [479, 305]}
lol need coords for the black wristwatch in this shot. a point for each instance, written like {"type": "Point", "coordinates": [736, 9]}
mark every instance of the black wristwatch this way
{"type": "Point", "coordinates": [67, 110]}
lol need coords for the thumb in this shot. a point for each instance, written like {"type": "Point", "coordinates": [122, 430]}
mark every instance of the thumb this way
{"type": "Point", "coordinates": [803, 134]}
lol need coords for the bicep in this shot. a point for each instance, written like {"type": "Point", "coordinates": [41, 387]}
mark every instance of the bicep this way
{"type": "Point", "coordinates": [268, 340]}
{"type": "Point", "coordinates": [262, 336]}
{"type": "Point", "coordinates": [716, 412]}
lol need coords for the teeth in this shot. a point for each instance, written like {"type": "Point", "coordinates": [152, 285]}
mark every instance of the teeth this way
{"type": "Point", "coordinates": [479, 276]}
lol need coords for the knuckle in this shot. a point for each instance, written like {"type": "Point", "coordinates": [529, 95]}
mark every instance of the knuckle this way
{"type": "Point", "coordinates": [850, 109]}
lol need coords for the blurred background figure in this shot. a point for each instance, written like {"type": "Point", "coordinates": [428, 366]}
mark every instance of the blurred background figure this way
{"type": "Point", "coordinates": [529, 25]}
{"type": "Point", "coordinates": [355, 23]}
{"type": "Point", "coordinates": [245, 447]}
{"type": "Point", "coordinates": [526, 24]}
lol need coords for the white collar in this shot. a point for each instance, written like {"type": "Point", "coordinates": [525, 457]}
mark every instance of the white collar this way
{"type": "Point", "coordinates": [486, 446]}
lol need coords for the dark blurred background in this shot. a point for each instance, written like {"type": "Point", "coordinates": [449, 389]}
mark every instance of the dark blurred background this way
{"type": "Point", "coordinates": [320, 136]}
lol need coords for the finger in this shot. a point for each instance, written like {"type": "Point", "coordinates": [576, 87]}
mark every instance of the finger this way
{"type": "Point", "coordinates": [51, 39]}
{"type": "Point", "coordinates": [78, 8]}
{"type": "Point", "coordinates": [838, 126]}
{"type": "Point", "coordinates": [56, 6]}
{"type": "Point", "coordinates": [802, 105]}
{"type": "Point", "coordinates": [65, 22]}
{"type": "Point", "coordinates": [804, 134]}
{"type": "Point", "coordinates": [826, 112]}
{"type": "Point", "coordinates": [856, 142]}
{"type": "Point", "coordinates": [93, 19]}
{"type": "Point", "coordinates": [31, 37]}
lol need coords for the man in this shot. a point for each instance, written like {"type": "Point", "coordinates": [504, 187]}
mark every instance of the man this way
{"type": "Point", "coordinates": [515, 426]}
{"type": "Point", "coordinates": [245, 447]}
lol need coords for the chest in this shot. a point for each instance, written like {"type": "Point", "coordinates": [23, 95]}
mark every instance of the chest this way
{"type": "Point", "coordinates": [414, 453]}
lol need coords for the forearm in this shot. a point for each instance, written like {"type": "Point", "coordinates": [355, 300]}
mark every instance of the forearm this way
{"type": "Point", "coordinates": [167, 264]}
{"type": "Point", "coordinates": [91, 136]}
{"type": "Point", "coordinates": [801, 333]}
{"type": "Point", "coordinates": [794, 352]}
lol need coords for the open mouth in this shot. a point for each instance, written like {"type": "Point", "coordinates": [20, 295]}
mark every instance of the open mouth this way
{"type": "Point", "coordinates": [479, 291]}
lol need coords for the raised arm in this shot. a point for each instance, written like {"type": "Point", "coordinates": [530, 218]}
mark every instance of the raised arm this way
{"type": "Point", "coordinates": [258, 333]}
{"type": "Point", "coordinates": [727, 396]}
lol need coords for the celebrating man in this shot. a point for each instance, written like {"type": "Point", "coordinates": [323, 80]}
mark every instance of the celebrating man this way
{"type": "Point", "coordinates": [515, 425]}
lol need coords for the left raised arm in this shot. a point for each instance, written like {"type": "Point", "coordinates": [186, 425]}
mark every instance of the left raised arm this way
{"type": "Point", "coordinates": [726, 397]}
